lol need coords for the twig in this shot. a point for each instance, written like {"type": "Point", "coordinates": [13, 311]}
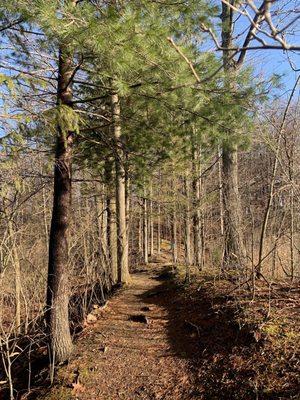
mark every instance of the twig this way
{"type": "Point", "coordinates": [190, 64]}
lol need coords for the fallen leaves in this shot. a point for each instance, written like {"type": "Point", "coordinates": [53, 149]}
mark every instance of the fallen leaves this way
{"type": "Point", "coordinates": [77, 388]}
{"type": "Point", "coordinates": [90, 319]}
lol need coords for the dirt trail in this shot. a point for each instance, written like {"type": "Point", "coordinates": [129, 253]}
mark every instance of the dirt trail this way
{"type": "Point", "coordinates": [120, 358]}
{"type": "Point", "coordinates": [160, 340]}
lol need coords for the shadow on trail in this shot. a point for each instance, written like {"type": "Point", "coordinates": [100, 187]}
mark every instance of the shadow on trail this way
{"type": "Point", "coordinates": [218, 350]}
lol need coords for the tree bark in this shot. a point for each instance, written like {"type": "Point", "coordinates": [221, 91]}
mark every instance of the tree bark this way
{"type": "Point", "coordinates": [174, 236]}
{"type": "Point", "coordinates": [145, 230]}
{"type": "Point", "coordinates": [234, 246]}
{"type": "Point", "coordinates": [151, 223]}
{"type": "Point", "coordinates": [123, 270]}
{"type": "Point", "coordinates": [112, 238]}
{"type": "Point", "coordinates": [197, 211]}
{"type": "Point", "coordinates": [221, 192]}
{"type": "Point", "coordinates": [18, 279]}
{"type": "Point", "coordinates": [111, 222]}
{"type": "Point", "coordinates": [58, 275]}
{"type": "Point", "coordinates": [104, 220]}
{"type": "Point", "coordinates": [187, 229]}
{"type": "Point", "coordinates": [140, 231]}
{"type": "Point", "coordinates": [128, 205]}
{"type": "Point", "coordinates": [158, 229]}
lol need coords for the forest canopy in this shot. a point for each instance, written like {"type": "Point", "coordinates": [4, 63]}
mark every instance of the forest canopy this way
{"type": "Point", "coordinates": [133, 130]}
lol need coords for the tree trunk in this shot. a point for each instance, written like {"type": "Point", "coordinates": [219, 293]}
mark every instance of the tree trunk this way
{"type": "Point", "coordinates": [58, 273]}
{"type": "Point", "coordinates": [128, 205]}
{"type": "Point", "coordinates": [272, 183]}
{"type": "Point", "coordinates": [104, 220]}
{"type": "Point", "coordinates": [112, 238]}
{"type": "Point", "coordinates": [123, 271]}
{"type": "Point", "coordinates": [158, 228]}
{"type": "Point", "coordinates": [174, 236]}
{"type": "Point", "coordinates": [151, 223]}
{"type": "Point", "coordinates": [187, 229]}
{"type": "Point", "coordinates": [140, 231]}
{"type": "Point", "coordinates": [221, 192]}
{"type": "Point", "coordinates": [145, 230]}
{"type": "Point", "coordinates": [234, 246]}
{"type": "Point", "coordinates": [17, 267]}
{"type": "Point", "coordinates": [197, 211]}
{"type": "Point", "coordinates": [109, 223]}
{"type": "Point", "coordinates": [292, 233]}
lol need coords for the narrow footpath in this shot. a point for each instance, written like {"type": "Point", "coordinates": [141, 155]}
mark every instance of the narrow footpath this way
{"type": "Point", "coordinates": [137, 348]}
{"type": "Point", "coordinates": [129, 349]}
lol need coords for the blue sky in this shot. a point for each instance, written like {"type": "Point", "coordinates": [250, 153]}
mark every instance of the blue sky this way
{"type": "Point", "coordinates": [268, 62]}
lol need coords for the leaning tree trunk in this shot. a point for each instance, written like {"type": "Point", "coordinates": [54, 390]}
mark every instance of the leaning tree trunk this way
{"type": "Point", "coordinates": [58, 289]}
{"type": "Point", "coordinates": [123, 271]}
{"type": "Point", "coordinates": [234, 246]}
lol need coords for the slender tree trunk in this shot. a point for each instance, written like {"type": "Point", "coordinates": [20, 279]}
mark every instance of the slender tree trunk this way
{"type": "Point", "coordinates": [151, 223]}
{"type": "Point", "coordinates": [140, 231]}
{"type": "Point", "coordinates": [111, 224]}
{"type": "Point", "coordinates": [105, 223]}
{"type": "Point", "coordinates": [187, 229]}
{"type": "Point", "coordinates": [221, 192]}
{"type": "Point", "coordinates": [98, 207]}
{"type": "Point", "coordinates": [174, 236]}
{"type": "Point", "coordinates": [123, 270]}
{"type": "Point", "coordinates": [17, 267]}
{"type": "Point", "coordinates": [44, 206]}
{"type": "Point", "coordinates": [197, 211]}
{"type": "Point", "coordinates": [145, 229]}
{"type": "Point", "coordinates": [86, 241]}
{"type": "Point", "coordinates": [58, 289]}
{"type": "Point", "coordinates": [272, 183]}
{"type": "Point", "coordinates": [112, 238]}
{"type": "Point", "coordinates": [158, 228]}
{"type": "Point", "coordinates": [128, 204]}
{"type": "Point", "coordinates": [292, 233]}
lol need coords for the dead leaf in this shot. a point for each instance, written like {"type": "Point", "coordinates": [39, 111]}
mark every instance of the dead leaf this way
{"type": "Point", "coordinates": [77, 388]}
{"type": "Point", "coordinates": [257, 335]}
{"type": "Point", "coordinates": [91, 319]}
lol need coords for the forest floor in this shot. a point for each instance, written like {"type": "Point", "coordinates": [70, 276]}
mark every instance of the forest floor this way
{"type": "Point", "coordinates": [162, 339]}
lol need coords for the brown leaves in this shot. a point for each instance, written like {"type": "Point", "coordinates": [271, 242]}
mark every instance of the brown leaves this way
{"type": "Point", "coordinates": [91, 319]}
{"type": "Point", "coordinates": [77, 388]}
